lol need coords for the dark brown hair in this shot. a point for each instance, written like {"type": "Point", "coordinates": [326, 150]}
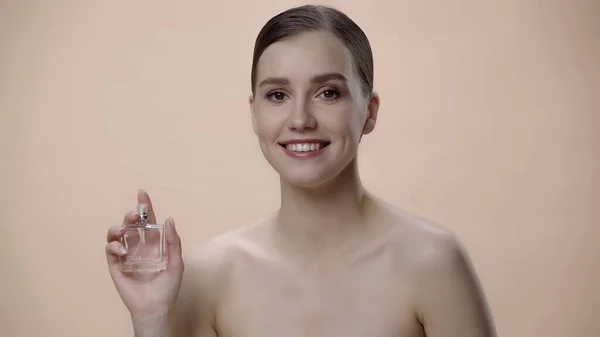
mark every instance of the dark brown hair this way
{"type": "Point", "coordinates": [311, 18]}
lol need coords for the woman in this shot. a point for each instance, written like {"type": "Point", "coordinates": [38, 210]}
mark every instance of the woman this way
{"type": "Point", "coordinates": [334, 260]}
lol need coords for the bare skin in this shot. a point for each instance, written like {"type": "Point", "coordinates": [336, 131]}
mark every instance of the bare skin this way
{"type": "Point", "coordinates": [397, 275]}
{"type": "Point", "coordinates": [334, 260]}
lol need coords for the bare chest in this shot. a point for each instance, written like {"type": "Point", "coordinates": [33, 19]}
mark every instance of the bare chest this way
{"type": "Point", "coordinates": [363, 299]}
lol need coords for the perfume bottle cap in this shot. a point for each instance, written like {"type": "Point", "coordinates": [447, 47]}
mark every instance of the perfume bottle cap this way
{"type": "Point", "coordinates": [143, 211]}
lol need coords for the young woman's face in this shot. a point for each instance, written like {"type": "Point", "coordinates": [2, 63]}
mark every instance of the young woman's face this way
{"type": "Point", "coordinates": [309, 111]}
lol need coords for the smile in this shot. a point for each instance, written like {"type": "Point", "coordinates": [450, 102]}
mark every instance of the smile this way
{"type": "Point", "coordinates": [305, 147]}
{"type": "Point", "coordinates": [301, 148]}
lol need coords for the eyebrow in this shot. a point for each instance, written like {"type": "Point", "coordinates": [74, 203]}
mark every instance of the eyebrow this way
{"type": "Point", "coordinates": [315, 79]}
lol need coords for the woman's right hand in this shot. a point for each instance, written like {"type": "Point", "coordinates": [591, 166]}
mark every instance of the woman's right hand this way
{"type": "Point", "coordinates": [146, 294]}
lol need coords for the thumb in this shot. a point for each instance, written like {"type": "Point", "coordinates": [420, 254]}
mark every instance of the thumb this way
{"type": "Point", "coordinates": [173, 243]}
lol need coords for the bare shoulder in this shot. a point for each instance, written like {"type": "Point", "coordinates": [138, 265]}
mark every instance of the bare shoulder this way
{"type": "Point", "coordinates": [429, 245]}
{"type": "Point", "coordinates": [214, 256]}
{"type": "Point", "coordinates": [448, 297]}
{"type": "Point", "coordinates": [203, 281]}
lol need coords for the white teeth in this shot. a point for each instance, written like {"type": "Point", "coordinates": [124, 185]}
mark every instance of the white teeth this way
{"type": "Point", "coordinates": [306, 147]}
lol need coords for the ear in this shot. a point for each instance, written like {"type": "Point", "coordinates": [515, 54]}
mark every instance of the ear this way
{"type": "Point", "coordinates": [372, 109]}
{"type": "Point", "coordinates": [251, 104]}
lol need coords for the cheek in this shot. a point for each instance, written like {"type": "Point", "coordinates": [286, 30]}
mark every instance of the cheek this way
{"type": "Point", "coordinates": [358, 122]}
{"type": "Point", "coordinates": [350, 125]}
{"type": "Point", "coordinates": [267, 127]}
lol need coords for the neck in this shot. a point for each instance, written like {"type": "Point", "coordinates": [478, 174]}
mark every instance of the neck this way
{"type": "Point", "coordinates": [312, 220]}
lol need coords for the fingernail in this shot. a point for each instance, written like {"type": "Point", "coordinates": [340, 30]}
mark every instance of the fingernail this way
{"type": "Point", "coordinates": [123, 250]}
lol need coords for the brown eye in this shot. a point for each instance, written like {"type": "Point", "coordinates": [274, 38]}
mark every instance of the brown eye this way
{"type": "Point", "coordinates": [276, 96]}
{"type": "Point", "coordinates": [330, 94]}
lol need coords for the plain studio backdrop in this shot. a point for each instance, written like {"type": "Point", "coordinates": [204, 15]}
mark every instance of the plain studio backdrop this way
{"type": "Point", "coordinates": [488, 125]}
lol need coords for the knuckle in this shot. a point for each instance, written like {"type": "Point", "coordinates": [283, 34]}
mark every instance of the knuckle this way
{"type": "Point", "coordinates": [129, 217]}
{"type": "Point", "coordinates": [113, 247]}
{"type": "Point", "coordinates": [114, 233]}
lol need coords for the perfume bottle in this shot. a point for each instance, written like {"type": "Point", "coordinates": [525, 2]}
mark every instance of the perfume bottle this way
{"type": "Point", "coordinates": [145, 244]}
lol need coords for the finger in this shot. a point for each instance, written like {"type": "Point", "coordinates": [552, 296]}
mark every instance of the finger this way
{"type": "Point", "coordinates": [173, 244]}
{"type": "Point", "coordinates": [114, 251]}
{"type": "Point", "coordinates": [130, 218]}
{"type": "Point", "coordinates": [144, 198]}
{"type": "Point", "coordinates": [115, 233]}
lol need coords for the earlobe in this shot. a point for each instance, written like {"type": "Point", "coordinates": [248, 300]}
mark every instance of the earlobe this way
{"type": "Point", "coordinates": [369, 126]}
{"type": "Point", "coordinates": [372, 109]}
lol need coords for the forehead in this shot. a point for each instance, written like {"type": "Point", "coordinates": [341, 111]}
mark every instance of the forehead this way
{"type": "Point", "coordinates": [305, 55]}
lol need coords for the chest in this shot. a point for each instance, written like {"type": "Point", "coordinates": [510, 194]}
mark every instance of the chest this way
{"type": "Point", "coordinates": [269, 300]}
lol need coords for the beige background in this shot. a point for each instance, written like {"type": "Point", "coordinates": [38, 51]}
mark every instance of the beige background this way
{"type": "Point", "coordinates": [488, 125]}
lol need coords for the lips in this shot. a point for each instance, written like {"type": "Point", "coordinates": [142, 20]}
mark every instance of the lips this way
{"type": "Point", "coordinates": [304, 145]}
{"type": "Point", "coordinates": [304, 148]}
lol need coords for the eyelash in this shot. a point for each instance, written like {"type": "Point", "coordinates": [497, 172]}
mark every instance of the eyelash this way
{"type": "Point", "coordinates": [335, 92]}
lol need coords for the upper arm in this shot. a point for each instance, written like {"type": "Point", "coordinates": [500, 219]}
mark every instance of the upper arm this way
{"type": "Point", "coordinates": [195, 306]}
{"type": "Point", "coordinates": [450, 300]}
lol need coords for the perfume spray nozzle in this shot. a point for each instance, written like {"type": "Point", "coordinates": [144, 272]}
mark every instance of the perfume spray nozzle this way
{"type": "Point", "coordinates": [143, 211]}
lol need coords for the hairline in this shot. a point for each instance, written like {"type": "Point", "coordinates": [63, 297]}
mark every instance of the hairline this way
{"type": "Point", "coordinates": [325, 29]}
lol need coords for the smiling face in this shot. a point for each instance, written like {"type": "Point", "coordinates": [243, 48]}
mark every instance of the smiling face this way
{"type": "Point", "coordinates": [309, 111]}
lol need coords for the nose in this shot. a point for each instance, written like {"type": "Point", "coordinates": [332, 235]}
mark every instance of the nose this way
{"type": "Point", "coordinates": [302, 118]}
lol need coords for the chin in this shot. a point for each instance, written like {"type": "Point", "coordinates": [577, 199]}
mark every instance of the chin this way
{"type": "Point", "coordinates": [307, 177]}
{"type": "Point", "coordinates": [308, 174]}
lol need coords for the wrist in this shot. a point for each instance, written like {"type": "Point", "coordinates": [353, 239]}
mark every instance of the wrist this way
{"type": "Point", "coordinates": [155, 325]}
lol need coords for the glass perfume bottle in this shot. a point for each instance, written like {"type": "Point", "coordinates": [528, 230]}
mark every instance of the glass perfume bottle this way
{"type": "Point", "coordinates": [145, 244]}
